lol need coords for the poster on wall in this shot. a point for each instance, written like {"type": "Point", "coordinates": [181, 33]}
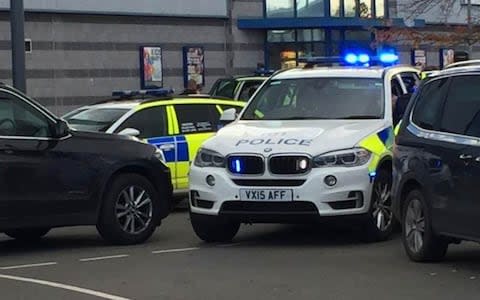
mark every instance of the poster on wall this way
{"type": "Point", "coordinates": [194, 67]}
{"type": "Point", "coordinates": [447, 57]}
{"type": "Point", "coordinates": [151, 68]}
{"type": "Point", "coordinates": [419, 58]}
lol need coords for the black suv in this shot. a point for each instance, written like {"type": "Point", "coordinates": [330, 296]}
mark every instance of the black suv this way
{"type": "Point", "coordinates": [53, 176]}
{"type": "Point", "coordinates": [436, 189]}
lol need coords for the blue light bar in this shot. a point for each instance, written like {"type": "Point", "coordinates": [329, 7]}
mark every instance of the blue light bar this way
{"type": "Point", "coordinates": [264, 72]}
{"type": "Point", "coordinates": [363, 58]}
{"type": "Point", "coordinates": [151, 92]}
{"type": "Point", "coordinates": [388, 58]}
{"type": "Point", "coordinates": [351, 58]}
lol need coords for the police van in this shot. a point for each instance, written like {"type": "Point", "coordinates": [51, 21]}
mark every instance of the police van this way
{"type": "Point", "coordinates": [313, 142]}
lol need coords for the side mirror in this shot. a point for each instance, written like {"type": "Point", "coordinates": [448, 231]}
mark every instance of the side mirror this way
{"type": "Point", "coordinates": [228, 116]}
{"type": "Point", "coordinates": [61, 129]}
{"type": "Point", "coordinates": [130, 132]}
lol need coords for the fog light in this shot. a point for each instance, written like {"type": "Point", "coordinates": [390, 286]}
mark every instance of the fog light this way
{"type": "Point", "coordinates": [330, 180]}
{"type": "Point", "coordinates": [210, 180]}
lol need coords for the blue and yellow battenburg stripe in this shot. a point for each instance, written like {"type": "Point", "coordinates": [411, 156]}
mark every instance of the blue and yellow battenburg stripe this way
{"type": "Point", "coordinates": [380, 144]}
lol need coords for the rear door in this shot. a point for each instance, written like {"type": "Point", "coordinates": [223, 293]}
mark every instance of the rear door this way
{"type": "Point", "coordinates": [196, 123]}
{"type": "Point", "coordinates": [152, 122]}
{"type": "Point", "coordinates": [461, 124]}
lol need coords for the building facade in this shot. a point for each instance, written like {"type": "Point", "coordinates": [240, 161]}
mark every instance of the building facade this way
{"type": "Point", "coordinates": [83, 50]}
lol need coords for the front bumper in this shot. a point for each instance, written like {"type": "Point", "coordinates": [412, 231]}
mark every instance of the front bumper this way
{"type": "Point", "coordinates": [312, 198]}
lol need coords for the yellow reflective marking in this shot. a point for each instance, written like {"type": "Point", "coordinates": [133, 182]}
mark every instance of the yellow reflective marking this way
{"type": "Point", "coordinates": [219, 108]}
{"type": "Point", "coordinates": [174, 120]}
{"type": "Point", "coordinates": [397, 128]}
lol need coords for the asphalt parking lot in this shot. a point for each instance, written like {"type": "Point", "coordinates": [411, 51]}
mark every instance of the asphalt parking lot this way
{"type": "Point", "coordinates": [264, 262]}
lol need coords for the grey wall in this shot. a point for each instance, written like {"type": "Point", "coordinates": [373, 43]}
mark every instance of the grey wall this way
{"type": "Point", "coordinates": [79, 58]}
{"type": "Point", "coordinates": [217, 8]}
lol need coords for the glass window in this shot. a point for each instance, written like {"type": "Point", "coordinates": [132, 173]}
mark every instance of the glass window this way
{"type": "Point", "coordinates": [429, 105]}
{"type": "Point", "coordinates": [365, 8]}
{"type": "Point", "coordinates": [248, 88]}
{"type": "Point", "coordinates": [461, 114]}
{"type": "Point", "coordinates": [197, 118]}
{"type": "Point", "coordinates": [350, 8]}
{"type": "Point", "coordinates": [311, 49]}
{"type": "Point", "coordinates": [335, 8]}
{"type": "Point", "coordinates": [282, 56]}
{"type": "Point", "coordinates": [224, 88]}
{"type": "Point", "coordinates": [379, 8]}
{"type": "Point", "coordinates": [280, 8]}
{"type": "Point", "coordinates": [151, 122]}
{"type": "Point", "coordinates": [310, 8]}
{"type": "Point", "coordinates": [278, 36]}
{"type": "Point", "coordinates": [358, 35]}
{"type": "Point", "coordinates": [318, 98]}
{"type": "Point", "coordinates": [95, 119]}
{"type": "Point", "coordinates": [310, 35]}
{"type": "Point", "coordinates": [17, 118]}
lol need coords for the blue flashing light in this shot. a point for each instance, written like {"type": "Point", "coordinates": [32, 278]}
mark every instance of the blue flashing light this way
{"type": "Point", "coordinates": [363, 58]}
{"type": "Point", "coordinates": [351, 58]}
{"type": "Point", "coordinates": [388, 58]}
{"type": "Point", "coordinates": [238, 166]}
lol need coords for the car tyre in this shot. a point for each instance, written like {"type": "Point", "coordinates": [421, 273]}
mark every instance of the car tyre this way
{"type": "Point", "coordinates": [419, 240]}
{"type": "Point", "coordinates": [27, 234]}
{"type": "Point", "coordinates": [380, 221]}
{"type": "Point", "coordinates": [130, 210]}
{"type": "Point", "coordinates": [214, 229]}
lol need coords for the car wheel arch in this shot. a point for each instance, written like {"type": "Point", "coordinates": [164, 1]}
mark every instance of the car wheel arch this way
{"type": "Point", "coordinates": [125, 169]}
{"type": "Point", "coordinates": [408, 186]}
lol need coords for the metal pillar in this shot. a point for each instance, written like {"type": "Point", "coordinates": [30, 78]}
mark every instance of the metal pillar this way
{"type": "Point", "coordinates": [17, 23]}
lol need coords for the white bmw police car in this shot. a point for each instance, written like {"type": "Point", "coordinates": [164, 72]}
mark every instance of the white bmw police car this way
{"type": "Point", "coordinates": [312, 142]}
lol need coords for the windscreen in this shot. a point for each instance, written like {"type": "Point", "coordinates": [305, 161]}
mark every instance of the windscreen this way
{"type": "Point", "coordinates": [95, 119]}
{"type": "Point", "coordinates": [318, 98]}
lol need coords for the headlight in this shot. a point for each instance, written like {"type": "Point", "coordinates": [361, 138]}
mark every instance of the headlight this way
{"type": "Point", "coordinates": [159, 155]}
{"type": "Point", "coordinates": [346, 158]}
{"type": "Point", "coordinates": [209, 158]}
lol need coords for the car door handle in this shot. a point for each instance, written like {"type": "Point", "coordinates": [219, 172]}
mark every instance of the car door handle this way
{"type": "Point", "coordinates": [465, 156]}
{"type": "Point", "coordinates": [166, 147]}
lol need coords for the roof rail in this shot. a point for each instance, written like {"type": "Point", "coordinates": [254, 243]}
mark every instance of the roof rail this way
{"type": "Point", "coordinates": [465, 63]}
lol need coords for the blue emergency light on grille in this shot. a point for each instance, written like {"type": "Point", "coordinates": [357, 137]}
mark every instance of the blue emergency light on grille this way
{"type": "Point", "coordinates": [136, 93]}
{"type": "Point", "coordinates": [246, 164]}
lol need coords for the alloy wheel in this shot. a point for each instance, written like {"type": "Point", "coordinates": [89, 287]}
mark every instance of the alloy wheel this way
{"type": "Point", "coordinates": [134, 210]}
{"type": "Point", "coordinates": [414, 226]}
{"type": "Point", "coordinates": [382, 207]}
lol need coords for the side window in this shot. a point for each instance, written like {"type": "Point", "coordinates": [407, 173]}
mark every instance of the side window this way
{"type": "Point", "coordinates": [461, 114]}
{"type": "Point", "coordinates": [17, 118]}
{"type": "Point", "coordinates": [226, 89]}
{"type": "Point", "coordinates": [429, 105]}
{"type": "Point", "coordinates": [197, 118]}
{"type": "Point", "coordinates": [151, 122]}
{"type": "Point", "coordinates": [249, 87]}
{"type": "Point", "coordinates": [411, 81]}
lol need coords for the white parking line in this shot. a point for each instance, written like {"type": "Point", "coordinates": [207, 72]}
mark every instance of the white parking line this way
{"type": "Point", "coordinates": [29, 266]}
{"type": "Point", "coordinates": [175, 250]}
{"type": "Point", "coordinates": [103, 257]}
{"type": "Point", "coordinates": [64, 287]}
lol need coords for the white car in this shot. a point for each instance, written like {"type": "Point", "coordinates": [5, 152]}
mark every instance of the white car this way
{"type": "Point", "coordinates": [313, 142]}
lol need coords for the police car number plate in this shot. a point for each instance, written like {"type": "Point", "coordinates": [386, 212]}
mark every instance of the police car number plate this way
{"type": "Point", "coordinates": [266, 195]}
